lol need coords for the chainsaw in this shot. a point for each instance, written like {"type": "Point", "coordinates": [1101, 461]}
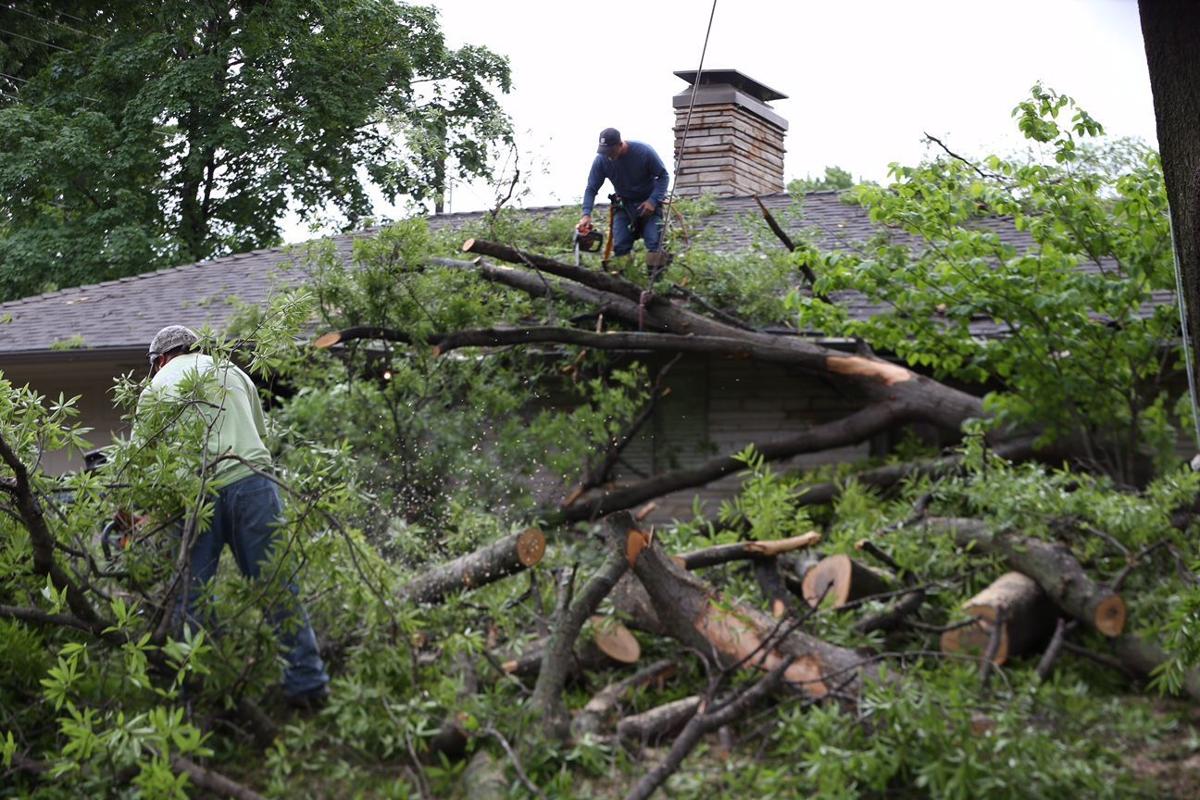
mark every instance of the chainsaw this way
{"type": "Point", "coordinates": [589, 242]}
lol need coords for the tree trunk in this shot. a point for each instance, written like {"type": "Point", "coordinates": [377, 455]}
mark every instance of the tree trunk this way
{"type": "Point", "coordinates": [1015, 602]}
{"type": "Point", "coordinates": [1171, 32]}
{"type": "Point", "coordinates": [498, 560]}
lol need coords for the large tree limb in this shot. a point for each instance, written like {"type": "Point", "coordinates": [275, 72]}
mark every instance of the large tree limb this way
{"type": "Point", "coordinates": [1048, 563]}
{"type": "Point", "coordinates": [738, 551]}
{"type": "Point", "coordinates": [595, 279]}
{"type": "Point", "coordinates": [848, 430]}
{"type": "Point", "coordinates": [498, 560]}
{"type": "Point", "coordinates": [728, 632]}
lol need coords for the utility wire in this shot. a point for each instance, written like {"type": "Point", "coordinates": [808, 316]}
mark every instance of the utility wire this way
{"type": "Point", "coordinates": [1189, 367]}
{"type": "Point", "coordinates": [36, 41]}
{"type": "Point", "coordinates": [52, 22]}
{"type": "Point", "coordinates": [687, 122]}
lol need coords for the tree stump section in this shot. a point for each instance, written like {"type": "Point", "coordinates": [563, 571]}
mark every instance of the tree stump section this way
{"type": "Point", "coordinates": [498, 560]}
{"type": "Point", "coordinates": [839, 580]}
{"type": "Point", "coordinates": [608, 644]}
{"type": "Point", "coordinates": [1028, 619]}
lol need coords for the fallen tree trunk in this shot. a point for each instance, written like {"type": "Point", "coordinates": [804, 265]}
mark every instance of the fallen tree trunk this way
{"type": "Point", "coordinates": [1051, 565]}
{"type": "Point", "coordinates": [498, 560]}
{"type": "Point", "coordinates": [1018, 605]}
{"type": "Point", "coordinates": [736, 634]}
{"type": "Point", "coordinates": [839, 579]}
{"type": "Point", "coordinates": [724, 553]}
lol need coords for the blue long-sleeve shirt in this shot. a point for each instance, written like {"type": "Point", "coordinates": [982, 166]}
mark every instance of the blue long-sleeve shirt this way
{"type": "Point", "coordinates": [637, 176]}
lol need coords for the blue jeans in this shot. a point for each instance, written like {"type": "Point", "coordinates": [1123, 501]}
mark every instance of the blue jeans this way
{"type": "Point", "coordinates": [244, 517]}
{"type": "Point", "coordinates": [648, 228]}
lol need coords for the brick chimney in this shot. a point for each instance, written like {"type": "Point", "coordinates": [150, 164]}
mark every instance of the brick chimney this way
{"type": "Point", "coordinates": [734, 142]}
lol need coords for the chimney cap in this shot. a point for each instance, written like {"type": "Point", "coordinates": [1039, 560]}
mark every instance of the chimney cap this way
{"type": "Point", "coordinates": [731, 77]}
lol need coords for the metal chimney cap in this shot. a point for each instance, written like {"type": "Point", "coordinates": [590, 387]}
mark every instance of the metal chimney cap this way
{"type": "Point", "coordinates": [731, 77]}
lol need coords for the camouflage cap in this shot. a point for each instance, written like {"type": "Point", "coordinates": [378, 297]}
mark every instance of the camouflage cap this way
{"type": "Point", "coordinates": [172, 337]}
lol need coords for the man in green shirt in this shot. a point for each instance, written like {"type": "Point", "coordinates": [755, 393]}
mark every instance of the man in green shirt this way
{"type": "Point", "coordinates": [248, 508]}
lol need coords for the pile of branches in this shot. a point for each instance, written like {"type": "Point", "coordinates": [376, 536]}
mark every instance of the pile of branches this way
{"type": "Point", "coordinates": [1034, 608]}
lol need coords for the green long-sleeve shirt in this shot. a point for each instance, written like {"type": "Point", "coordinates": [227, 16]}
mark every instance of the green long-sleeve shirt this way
{"type": "Point", "coordinates": [234, 414]}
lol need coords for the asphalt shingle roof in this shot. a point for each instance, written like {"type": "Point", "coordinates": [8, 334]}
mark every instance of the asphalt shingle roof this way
{"type": "Point", "coordinates": [124, 314]}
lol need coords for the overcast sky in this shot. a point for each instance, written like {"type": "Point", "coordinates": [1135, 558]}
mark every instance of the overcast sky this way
{"type": "Point", "coordinates": [863, 78]}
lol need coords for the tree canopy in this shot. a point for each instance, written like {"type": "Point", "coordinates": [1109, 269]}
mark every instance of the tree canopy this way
{"type": "Point", "coordinates": [135, 136]}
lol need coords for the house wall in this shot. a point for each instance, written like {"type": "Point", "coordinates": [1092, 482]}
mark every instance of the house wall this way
{"type": "Point", "coordinates": [88, 375]}
{"type": "Point", "coordinates": [718, 406]}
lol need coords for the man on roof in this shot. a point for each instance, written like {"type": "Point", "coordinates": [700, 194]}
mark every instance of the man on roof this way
{"type": "Point", "coordinates": [640, 180]}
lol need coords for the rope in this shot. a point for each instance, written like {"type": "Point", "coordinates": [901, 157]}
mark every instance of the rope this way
{"type": "Point", "coordinates": [1183, 325]}
{"type": "Point", "coordinates": [687, 122]}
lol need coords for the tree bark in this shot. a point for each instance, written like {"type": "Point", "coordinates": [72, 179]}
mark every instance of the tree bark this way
{"type": "Point", "coordinates": [498, 560]}
{"type": "Point", "coordinates": [557, 660]}
{"type": "Point", "coordinates": [733, 633]}
{"type": "Point", "coordinates": [1016, 604]}
{"type": "Point", "coordinates": [1171, 32]}
{"type": "Point", "coordinates": [724, 553]}
{"type": "Point", "coordinates": [1051, 565]}
{"type": "Point", "coordinates": [593, 716]}
{"type": "Point", "coordinates": [659, 723]}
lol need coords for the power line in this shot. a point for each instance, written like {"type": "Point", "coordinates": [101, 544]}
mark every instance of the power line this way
{"type": "Point", "coordinates": [53, 22]}
{"type": "Point", "coordinates": [37, 41]}
{"type": "Point", "coordinates": [687, 122]}
{"type": "Point", "coordinates": [13, 78]}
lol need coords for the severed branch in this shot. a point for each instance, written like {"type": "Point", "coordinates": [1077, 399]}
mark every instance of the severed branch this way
{"type": "Point", "coordinates": [592, 717]}
{"type": "Point", "coordinates": [557, 659]}
{"type": "Point", "coordinates": [1050, 656]}
{"type": "Point", "coordinates": [728, 632]}
{"type": "Point", "coordinates": [738, 551]}
{"type": "Point", "coordinates": [705, 721]}
{"type": "Point", "coordinates": [498, 560]}
{"type": "Point", "coordinates": [787, 242]}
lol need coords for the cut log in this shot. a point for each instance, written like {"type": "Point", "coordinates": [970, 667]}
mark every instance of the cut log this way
{"type": "Point", "coordinates": [608, 644]}
{"type": "Point", "coordinates": [736, 634]}
{"type": "Point", "coordinates": [498, 560]}
{"type": "Point", "coordinates": [615, 640]}
{"type": "Point", "coordinates": [1028, 619]}
{"type": "Point", "coordinates": [659, 723]}
{"type": "Point", "coordinates": [839, 579]}
{"type": "Point", "coordinates": [721, 554]}
{"type": "Point", "coordinates": [1051, 565]}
